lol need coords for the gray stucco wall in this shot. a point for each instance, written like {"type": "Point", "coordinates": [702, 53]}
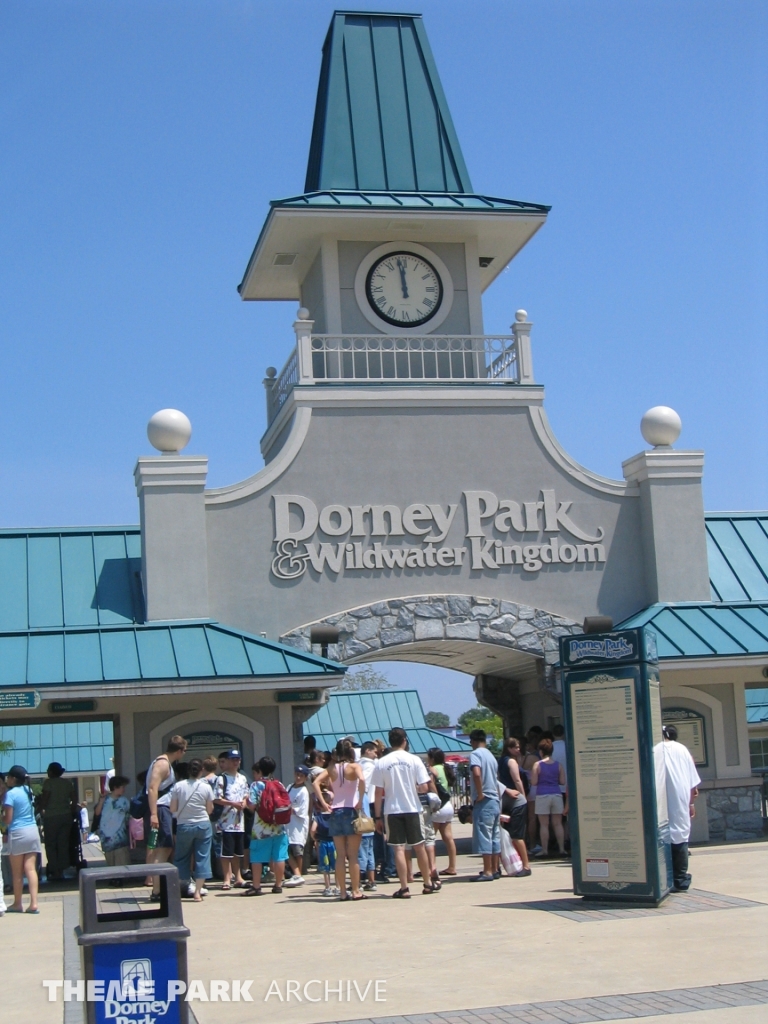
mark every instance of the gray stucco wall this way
{"type": "Point", "coordinates": [145, 722]}
{"type": "Point", "coordinates": [724, 693]}
{"type": "Point", "coordinates": [408, 455]}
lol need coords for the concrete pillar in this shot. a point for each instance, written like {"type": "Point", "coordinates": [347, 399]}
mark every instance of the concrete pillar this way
{"type": "Point", "coordinates": [174, 552]}
{"type": "Point", "coordinates": [285, 725]}
{"type": "Point", "coordinates": [673, 532]}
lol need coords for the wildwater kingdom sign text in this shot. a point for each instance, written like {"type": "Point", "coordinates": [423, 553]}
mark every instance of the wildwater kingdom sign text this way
{"type": "Point", "coordinates": [376, 538]}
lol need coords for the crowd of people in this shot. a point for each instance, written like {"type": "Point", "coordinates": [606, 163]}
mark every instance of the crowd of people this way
{"type": "Point", "coordinates": [362, 813]}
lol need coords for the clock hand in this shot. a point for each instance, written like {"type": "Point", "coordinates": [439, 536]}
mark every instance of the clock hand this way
{"type": "Point", "coordinates": [401, 268]}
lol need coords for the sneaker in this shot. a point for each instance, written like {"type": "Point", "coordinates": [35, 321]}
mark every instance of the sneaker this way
{"type": "Point", "coordinates": [293, 881]}
{"type": "Point", "coordinates": [330, 890]}
{"type": "Point", "coordinates": [191, 890]}
{"type": "Point", "coordinates": [536, 850]}
{"type": "Point", "coordinates": [369, 887]}
{"type": "Point", "coordinates": [203, 891]}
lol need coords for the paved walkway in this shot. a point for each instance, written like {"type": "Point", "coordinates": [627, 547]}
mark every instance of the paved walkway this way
{"type": "Point", "coordinates": [516, 950]}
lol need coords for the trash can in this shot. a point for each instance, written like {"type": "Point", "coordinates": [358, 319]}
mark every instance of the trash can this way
{"type": "Point", "coordinates": [132, 951]}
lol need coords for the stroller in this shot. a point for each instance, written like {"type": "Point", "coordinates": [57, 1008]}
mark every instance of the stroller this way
{"type": "Point", "coordinates": [76, 858]}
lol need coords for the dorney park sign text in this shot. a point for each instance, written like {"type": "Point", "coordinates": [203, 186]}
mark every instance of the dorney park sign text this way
{"type": "Point", "coordinates": [363, 535]}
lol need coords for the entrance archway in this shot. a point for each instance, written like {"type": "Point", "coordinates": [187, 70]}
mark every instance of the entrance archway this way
{"type": "Point", "coordinates": [509, 648]}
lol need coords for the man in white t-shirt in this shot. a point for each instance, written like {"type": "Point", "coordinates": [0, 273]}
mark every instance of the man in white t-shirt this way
{"type": "Point", "coordinates": [682, 790]}
{"type": "Point", "coordinates": [230, 793]}
{"type": "Point", "coordinates": [399, 778]}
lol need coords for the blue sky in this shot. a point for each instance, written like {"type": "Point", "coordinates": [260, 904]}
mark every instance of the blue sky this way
{"type": "Point", "coordinates": [141, 144]}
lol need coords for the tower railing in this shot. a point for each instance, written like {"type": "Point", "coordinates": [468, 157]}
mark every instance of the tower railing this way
{"type": "Point", "coordinates": [408, 359]}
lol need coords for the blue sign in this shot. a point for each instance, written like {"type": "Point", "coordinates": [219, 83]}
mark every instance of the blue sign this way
{"type": "Point", "coordinates": [136, 976]}
{"type": "Point", "coordinates": [618, 647]}
{"type": "Point", "coordinates": [19, 699]}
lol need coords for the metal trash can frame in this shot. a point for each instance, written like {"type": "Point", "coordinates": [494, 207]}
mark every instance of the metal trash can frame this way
{"type": "Point", "coordinates": [129, 949]}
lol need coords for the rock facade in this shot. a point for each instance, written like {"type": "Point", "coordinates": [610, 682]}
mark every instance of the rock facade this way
{"type": "Point", "coordinates": [735, 813]}
{"type": "Point", "coordinates": [373, 628]}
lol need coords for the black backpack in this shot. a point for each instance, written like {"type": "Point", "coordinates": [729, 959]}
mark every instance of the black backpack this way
{"type": "Point", "coordinates": [218, 809]}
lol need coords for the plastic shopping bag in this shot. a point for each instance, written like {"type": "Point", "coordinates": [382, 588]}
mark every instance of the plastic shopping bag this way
{"type": "Point", "coordinates": [510, 858]}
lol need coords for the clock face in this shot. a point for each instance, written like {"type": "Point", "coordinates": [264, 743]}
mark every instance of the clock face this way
{"type": "Point", "coordinates": [404, 289]}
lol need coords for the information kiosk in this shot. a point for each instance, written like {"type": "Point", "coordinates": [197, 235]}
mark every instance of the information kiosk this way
{"type": "Point", "coordinates": [616, 778]}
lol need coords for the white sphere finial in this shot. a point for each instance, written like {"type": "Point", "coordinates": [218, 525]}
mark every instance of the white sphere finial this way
{"type": "Point", "coordinates": [521, 316]}
{"type": "Point", "coordinates": [169, 431]}
{"type": "Point", "coordinates": [302, 313]}
{"type": "Point", "coordinates": [661, 426]}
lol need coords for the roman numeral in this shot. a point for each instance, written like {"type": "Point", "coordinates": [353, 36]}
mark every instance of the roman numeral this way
{"type": "Point", "coordinates": [428, 303]}
{"type": "Point", "coordinates": [430, 289]}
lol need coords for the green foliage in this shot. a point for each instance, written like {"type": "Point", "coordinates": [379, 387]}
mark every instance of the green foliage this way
{"type": "Point", "coordinates": [482, 718]}
{"type": "Point", "coordinates": [437, 720]}
{"type": "Point", "coordinates": [6, 746]}
{"type": "Point", "coordinates": [364, 677]}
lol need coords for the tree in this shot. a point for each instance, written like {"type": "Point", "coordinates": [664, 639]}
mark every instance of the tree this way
{"type": "Point", "coordinates": [482, 718]}
{"type": "Point", "coordinates": [6, 746]}
{"type": "Point", "coordinates": [437, 720]}
{"type": "Point", "coordinates": [364, 677]}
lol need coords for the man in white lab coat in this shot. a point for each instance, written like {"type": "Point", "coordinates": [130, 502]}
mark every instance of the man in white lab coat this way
{"type": "Point", "coordinates": [682, 783]}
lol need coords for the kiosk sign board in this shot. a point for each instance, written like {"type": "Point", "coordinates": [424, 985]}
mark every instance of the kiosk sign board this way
{"type": "Point", "coordinates": [616, 779]}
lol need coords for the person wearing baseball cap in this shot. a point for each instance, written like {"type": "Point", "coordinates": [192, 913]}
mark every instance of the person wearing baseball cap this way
{"type": "Point", "coordinates": [23, 838]}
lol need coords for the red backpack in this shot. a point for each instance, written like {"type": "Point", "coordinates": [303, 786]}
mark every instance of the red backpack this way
{"type": "Point", "coordinates": [275, 804]}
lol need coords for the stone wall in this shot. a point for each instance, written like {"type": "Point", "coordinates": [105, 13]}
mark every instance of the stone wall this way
{"type": "Point", "coordinates": [373, 628]}
{"type": "Point", "coordinates": [734, 813]}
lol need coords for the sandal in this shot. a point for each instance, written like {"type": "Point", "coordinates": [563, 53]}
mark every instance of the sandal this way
{"type": "Point", "coordinates": [429, 889]}
{"type": "Point", "coordinates": [277, 889]}
{"type": "Point", "coordinates": [251, 892]}
{"type": "Point", "coordinates": [447, 872]}
{"type": "Point", "coordinates": [241, 885]}
{"type": "Point", "coordinates": [362, 896]}
{"type": "Point", "coordinates": [401, 894]}
{"type": "Point", "coordinates": [226, 887]}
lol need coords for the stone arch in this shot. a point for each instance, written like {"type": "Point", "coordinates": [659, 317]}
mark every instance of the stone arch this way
{"type": "Point", "coordinates": [374, 630]}
{"type": "Point", "coordinates": [509, 648]}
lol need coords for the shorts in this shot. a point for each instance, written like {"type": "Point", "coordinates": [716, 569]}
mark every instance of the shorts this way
{"type": "Point", "coordinates": [232, 844]}
{"type": "Point", "coordinates": [444, 815]}
{"type": "Point", "coordinates": [270, 849]}
{"type": "Point", "coordinates": [296, 850]}
{"type": "Point", "coordinates": [24, 840]}
{"type": "Point", "coordinates": [518, 820]}
{"type": "Point", "coordinates": [165, 828]}
{"type": "Point", "coordinates": [549, 803]}
{"type": "Point", "coordinates": [427, 828]}
{"type": "Point", "coordinates": [486, 839]}
{"type": "Point", "coordinates": [341, 822]}
{"type": "Point", "coordinates": [326, 856]}
{"type": "Point", "coordinates": [365, 857]}
{"type": "Point", "coordinates": [117, 858]}
{"type": "Point", "coordinates": [404, 829]}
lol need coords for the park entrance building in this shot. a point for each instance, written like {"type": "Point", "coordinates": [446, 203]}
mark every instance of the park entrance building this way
{"type": "Point", "coordinates": [413, 495]}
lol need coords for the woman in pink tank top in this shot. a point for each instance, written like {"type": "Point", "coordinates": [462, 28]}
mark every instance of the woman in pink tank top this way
{"type": "Point", "coordinates": [345, 778]}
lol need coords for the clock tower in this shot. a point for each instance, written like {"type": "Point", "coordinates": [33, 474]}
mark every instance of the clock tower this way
{"type": "Point", "coordinates": [389, 237]}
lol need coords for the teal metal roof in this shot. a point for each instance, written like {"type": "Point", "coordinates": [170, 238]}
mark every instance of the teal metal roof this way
{"type": "Point", "coordinates": [737, 545]}
{"type": "Point", "coordinates": [373, 200]}
{"type": "Point", "coordinates": [174, 650]}
{"type": "Point", "coordinates": [381, 117]}
{"type": "Point", "coordinates": [75, 577]}
{"type": "Point", "coordinates": [71, 611]}
{"type": "Point", "coordinates": [757, 706]}
{"type": "Point", "coordinates": [79, 746]}
{"type": "Point", "coordinates": [701, 630]}
{"type": "Point", "coordinates": [370, 716]}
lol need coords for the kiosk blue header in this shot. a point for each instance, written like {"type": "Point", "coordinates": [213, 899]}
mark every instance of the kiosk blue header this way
{"type": "Point", "coordinates": [616, 776]}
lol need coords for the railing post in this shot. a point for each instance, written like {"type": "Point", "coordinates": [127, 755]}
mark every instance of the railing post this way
{"type": "Point", "coordinates": [269, 389]}
{"type": "Point", "coordinates": [302, 325]}
{"type": "Point", "coordinates": [521, 328]}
